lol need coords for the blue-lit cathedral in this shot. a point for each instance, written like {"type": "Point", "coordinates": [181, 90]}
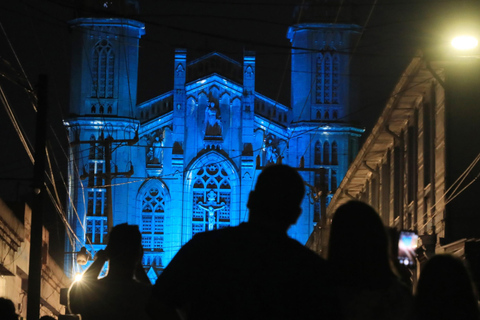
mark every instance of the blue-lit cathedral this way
{"type": "Point", "coordinates": [185, 161]}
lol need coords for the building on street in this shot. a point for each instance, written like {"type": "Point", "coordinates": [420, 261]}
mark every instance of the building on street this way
{"type": "Point", "coordinates": [15, 222]}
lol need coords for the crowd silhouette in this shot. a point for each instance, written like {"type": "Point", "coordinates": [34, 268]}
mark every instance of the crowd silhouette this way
{"type": "Point", "coordinates": [255, 271]}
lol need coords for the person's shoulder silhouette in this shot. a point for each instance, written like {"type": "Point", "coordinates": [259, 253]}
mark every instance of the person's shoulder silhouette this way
{"type": "Point", "coordinates": [445, 291]}
{"type": "Point", "coordinates": [254, 270]}
{"type": "Point", "coordinates": [124, 291]}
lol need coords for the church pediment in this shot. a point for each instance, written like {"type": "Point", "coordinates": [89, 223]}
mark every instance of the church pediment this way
{"type": "Point", "coordinates": [214, 63]}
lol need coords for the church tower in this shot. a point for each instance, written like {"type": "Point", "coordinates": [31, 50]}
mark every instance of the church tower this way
{"type": "Point", "coordinates": [323, 141]}
{"type": "Point", "coordinates": [101, 124]}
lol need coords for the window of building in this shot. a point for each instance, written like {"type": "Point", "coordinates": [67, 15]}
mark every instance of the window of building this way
{"type": "Point", "coordinates": [335, 115]}
{"type": "Point", "coordinates": [334, 181]}
{"type": "Point", "coordinates": [211, 199]}
{"type": "Point", "coordinates": [326, 152]}
{"type": "Point", "coordinates": [335, 79]}
{"type": "Point", "coordinates": [103, 64]}
{"type": "Point", "coordinates": [319, 86]}
{"type": "Point", "coordinates": [327, 92]}
{"type": "Point", "coordinates": [318, 153]}
{"type": "Point", "coordinates": [97, 230]}
{"type": "Point", "coordinates": [334, 153]}
{"type": "Point", "coordinates": [153, 217]}
{"type": "Point", "coordinates": [327, 78]}
{"type": "Point", "coordinates": [95, 173]}
{"type": "Point", "coordinates": [96, 202]}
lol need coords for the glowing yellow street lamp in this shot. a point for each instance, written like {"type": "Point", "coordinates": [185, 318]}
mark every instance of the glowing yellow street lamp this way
{"type": "Point", "coordinates": [464, 42]}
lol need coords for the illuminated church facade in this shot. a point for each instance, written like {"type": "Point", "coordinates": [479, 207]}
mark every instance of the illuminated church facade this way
{"type": "Point", "coordinates": [185, 161]}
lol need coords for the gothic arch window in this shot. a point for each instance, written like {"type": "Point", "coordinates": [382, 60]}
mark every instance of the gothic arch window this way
{"type": "Point", "coordinates": [327, 115]}
{"type": "Point", "coordinates": [319, 85]}
{"type": "Point", "coordinates": [335, 78]}
{"type": "Point", "coordinates": [327, 60]}
{"type": "Point", "coordinates": [211, 198]}
{"type": "Point", "coordinates": [319, 115]}
{"type": "Point", "coordinates": [335, 115]}
{"type": "Point", "coordinates": [334, 153]}
{"type": "Point", "coordinates": [91, 154]}
{"type": "Point", "coordinates": [103, 67]}
{"type": "Point", "coordinates": [326, 153]}
{"type": "Point", "coordinates": [334, 180]}
{"type": "Point", "coordinates": [327, 78]}
{"type": "Point", "coordinates": [153, 216]}
{"type": "Point", "coordinates": [318, 153]}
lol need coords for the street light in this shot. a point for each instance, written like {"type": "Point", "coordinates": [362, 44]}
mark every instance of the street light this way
{"type": "Point", "coordinates": [464, 42]}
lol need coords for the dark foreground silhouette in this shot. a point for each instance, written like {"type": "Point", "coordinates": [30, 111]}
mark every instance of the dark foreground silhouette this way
{"type": "Point", "coordinates": [7, 310]}
{"type": "Point", "coordinates": [253, 271]}
{"type": "Point", "coordinates": [445, 291]}
{"type": "Point", "coordinates": [365, 281]}
{"type": "Point", "coordinates": [124, 291]}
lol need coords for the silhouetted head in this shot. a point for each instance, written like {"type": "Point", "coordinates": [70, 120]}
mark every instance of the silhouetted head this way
{"type": "Point", "coordinates": [7, 310]}
{"type": "Point", "coordinates": [445, 290]}
{"type": "Point", "coordinates": [277, 197]}
{"type": "Point", "coordinates": [359, 246]}
{"type": "Point", "coordinates": [47, 318]}
{"type": "Point", "coordinates": [125, 243]}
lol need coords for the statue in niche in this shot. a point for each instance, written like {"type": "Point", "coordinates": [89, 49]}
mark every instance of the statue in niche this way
{"type": "Point", "coordinates": [155, 148]}
{"type": "Point", "coordinates": [271, 151]}
{"type": "Point", "coordinates": [211, 206]}
{"type": "Point", "coordinates": [213, 125]}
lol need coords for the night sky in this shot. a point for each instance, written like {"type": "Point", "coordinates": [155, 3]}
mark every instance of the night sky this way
{"type": "Point", "coordinates": [38, 32]}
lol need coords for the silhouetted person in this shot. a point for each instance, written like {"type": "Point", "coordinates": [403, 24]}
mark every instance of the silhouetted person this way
{"type": "Point", "coordinates": [124, 291]}
{"type": "Point", "coordinates": [7, 310]}
{"type": "Point", "coordinates": [445, 291]}
{"type": "Point", "coordinates": [47, 318]}
{"type": "Point", "coordinates": [359, 257]}
{"type": "Point", "coordinates": [252, 271]}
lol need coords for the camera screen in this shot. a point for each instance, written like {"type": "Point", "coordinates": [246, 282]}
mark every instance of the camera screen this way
{"type": "Point", "coordinates": [407, 244]}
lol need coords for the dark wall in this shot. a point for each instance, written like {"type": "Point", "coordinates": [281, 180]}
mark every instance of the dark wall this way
{"type": "Point", "coordinates": [462, 147]}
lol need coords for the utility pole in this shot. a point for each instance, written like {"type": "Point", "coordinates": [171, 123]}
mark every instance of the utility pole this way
{"type": "Point", "coordinates": [36, 236]}
{"type": "Point", "coordinates": [108, 175]}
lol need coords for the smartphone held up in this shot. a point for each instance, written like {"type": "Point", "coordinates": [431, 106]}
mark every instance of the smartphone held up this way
{"type": "Point", "coordinates": [407, 244]}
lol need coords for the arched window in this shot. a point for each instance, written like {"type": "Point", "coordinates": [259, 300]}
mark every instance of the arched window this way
{"type": "Point", "coordinates": [153, 216]}
{"type": "Point", "coordinates": [335, 78]}
{"type": "Point", "coordinates": [335, 115]}
{"type": "Point", "coordinates": [319, 115]}
{"type": "Point", "coordinates": [211, 199]}
{"type": "Point", "coordinates": [319, 79]}
{"type": "Point", "coordinates": [103, 64]}
{"type": "Point", "coordinates": [326, 153]}
{"type": "Point", "coordinates": [334, 181]}
{"type": "Point", "coordinates": [91, 154]}
{"type": "Point", "coordinates": [318, 153]}
{"type": "Point", "coordinates": [334, 153]}
{"type": "Point", "coordinates": [327, 79]}
{"type": "Point", "coordinates": [327, 115]}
